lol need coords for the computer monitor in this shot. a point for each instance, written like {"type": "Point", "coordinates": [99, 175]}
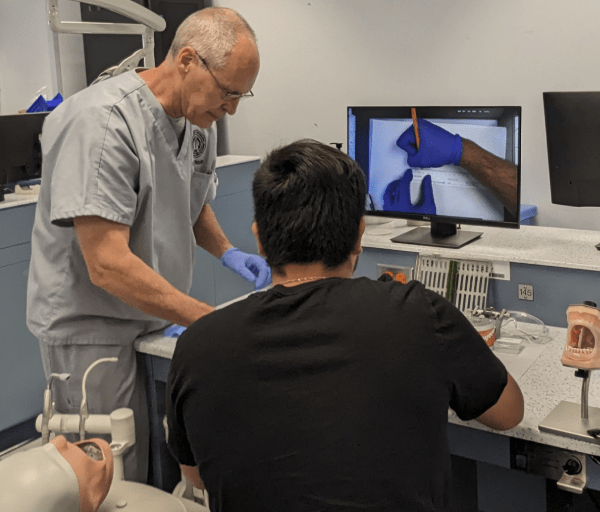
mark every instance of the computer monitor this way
{"type": "Point", "coordinates": [573, 140]}
{"type": "Point", "coordinates": [20, 148]}
{"type": "Point", "coordinates": [458, 197]}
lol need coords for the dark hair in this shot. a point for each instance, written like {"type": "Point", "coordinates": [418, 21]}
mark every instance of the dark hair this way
{"type": "Point", "coordinates": [309, 199]}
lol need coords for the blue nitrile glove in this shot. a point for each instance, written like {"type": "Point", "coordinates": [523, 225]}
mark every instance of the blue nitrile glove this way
{"type": "Point", "coordinates": [437, 146]}
{"type": "Point", "coordinates": [397, 196]}
{"type": "Point", "coordinates": [251, 267]}
{"type": "Point", "coordinates": [174, 330]}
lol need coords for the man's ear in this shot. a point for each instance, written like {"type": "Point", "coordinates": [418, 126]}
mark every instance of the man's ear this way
{"type": "Point", "coordinates": [258, 244]}
{"type": "Point", "coordinates": [361, 231]}
{"type": "Point", "coordinates": [185, 59]}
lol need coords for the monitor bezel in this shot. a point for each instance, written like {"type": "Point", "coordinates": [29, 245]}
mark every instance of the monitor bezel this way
{"type": "Point", "coordinates": [444, 112]}
{"type": "Point", "coordinates": [572, 126]}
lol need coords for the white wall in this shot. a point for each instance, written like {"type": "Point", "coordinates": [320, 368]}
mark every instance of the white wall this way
{"type": "Point", "coordinates": [27, 61]}
{"type": "Point", "coordinates": [320, 56]}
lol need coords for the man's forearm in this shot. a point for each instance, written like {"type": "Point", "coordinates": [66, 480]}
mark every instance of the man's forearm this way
{"type": "Point", "coordinates": [136, 284]}
{"type": "Point", "coordinates": [209, 234]}
{"type": "Point", "coordinates": [498, 175]}
{"type": "Point", "coordinates": [191, 473]}
{"type": "Point", "coordinates": [508, 411]}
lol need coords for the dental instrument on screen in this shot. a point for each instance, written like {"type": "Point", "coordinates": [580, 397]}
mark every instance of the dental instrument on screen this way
{"type": "Point", "coordinates": [83, 409]}
{"type": "Point", "coordinates": [413, 113]}
{"type": "Point", "coordinates": [147, 22]}
{"type": "Point", "coordinates": [48, 409]}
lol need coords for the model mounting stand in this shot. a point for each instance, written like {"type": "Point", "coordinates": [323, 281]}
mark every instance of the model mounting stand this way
{"type": "Point", "coordinates": [578, 421]}
{"type": "Point", "coordinates": [582, 353]}
{"type": "Point", "coordinates": [575, 420]}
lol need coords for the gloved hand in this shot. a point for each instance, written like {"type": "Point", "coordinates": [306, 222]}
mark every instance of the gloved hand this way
{"type": "Point", "coordinates": [251, 267]}
{"type": "Point", "coordinates": [437, 146]}
{"type": "Point", "coordinates": [174, 330]}
{"type": "Point", "coordinates": [397, 196]}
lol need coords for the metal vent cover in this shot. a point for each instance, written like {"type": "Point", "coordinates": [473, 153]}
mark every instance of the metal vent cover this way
{"type": "Point", "coordinates": [463, 282]}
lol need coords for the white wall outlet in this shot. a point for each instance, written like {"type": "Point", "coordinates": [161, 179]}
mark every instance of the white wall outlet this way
{"type": "Point", "coordinates": [525, 291]}
{"type": "Point", "coordinates": [500, 270]}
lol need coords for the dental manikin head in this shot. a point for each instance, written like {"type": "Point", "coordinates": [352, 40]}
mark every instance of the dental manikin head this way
{"type": "Point", "coordinates": [581, 350]}
{"type": "Point", "coordinates": [57, 477]}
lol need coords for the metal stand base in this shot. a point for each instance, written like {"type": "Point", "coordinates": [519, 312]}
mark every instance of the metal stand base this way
{"type": "Point", "coordinates": [423, 236]}
{"type": "Point", "coordinates": [565, 420]}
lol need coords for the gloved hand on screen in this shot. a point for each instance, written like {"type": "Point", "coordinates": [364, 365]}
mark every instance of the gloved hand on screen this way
{"type": "Point", "coordinates": [437, 146]}
{"type": "Point", "coordinates": [397, 196]}
{"type": "Point", "coordinates": [251, 267]}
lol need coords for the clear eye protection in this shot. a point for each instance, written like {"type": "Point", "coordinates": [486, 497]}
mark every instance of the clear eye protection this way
{"type": "Point", "coordinates": [583, 331]}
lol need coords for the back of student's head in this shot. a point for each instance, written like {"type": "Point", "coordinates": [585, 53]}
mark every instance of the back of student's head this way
{"type": "Point", "coordinates": [309, 199]}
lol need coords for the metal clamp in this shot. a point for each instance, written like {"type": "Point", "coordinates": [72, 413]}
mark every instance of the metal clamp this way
{"type": "Point", "coordinates": [497, 316]}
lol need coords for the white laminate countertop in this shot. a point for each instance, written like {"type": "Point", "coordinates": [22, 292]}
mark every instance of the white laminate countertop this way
{"type": "Point", "coordinates": [538, 370]}
{"type": "Point", "coordinates": [544, 384]}
{"type": "Point", "coordinates": [13, 200]}
{"type": "Point", "coordinates": [534, 245]}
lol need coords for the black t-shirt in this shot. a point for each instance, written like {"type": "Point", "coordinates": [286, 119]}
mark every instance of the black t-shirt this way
{"type": "Point", "coordinates": [328, 396]}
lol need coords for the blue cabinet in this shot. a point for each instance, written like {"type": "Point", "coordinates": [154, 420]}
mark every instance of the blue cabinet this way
{"type": "Point", "coordinates": [21, 374]}
{"type": "Point", "coordinates": [213, 283]}
{"type": "Point", "coordinates": [22, 378]}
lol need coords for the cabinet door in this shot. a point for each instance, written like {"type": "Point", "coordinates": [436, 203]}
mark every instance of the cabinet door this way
{"type": "Point", "coordinates": [21, 373]}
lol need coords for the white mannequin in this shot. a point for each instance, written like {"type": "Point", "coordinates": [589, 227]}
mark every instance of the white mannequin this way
{"type": "Point", "coordinates": [57, 477]}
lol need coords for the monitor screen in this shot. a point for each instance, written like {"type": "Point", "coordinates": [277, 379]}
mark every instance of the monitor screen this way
{"type": "Point", "coordinates": [439, 184]}
{"type": "Point", "coordinates": [573, 135]}
{"type": "Point", "coordinates": [20, 148]}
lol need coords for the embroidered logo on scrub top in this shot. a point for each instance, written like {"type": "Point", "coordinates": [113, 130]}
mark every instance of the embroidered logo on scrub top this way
{"type": "Point", "coordinates": [198, 144]}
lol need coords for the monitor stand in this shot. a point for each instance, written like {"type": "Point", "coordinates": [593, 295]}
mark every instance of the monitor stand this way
{"type": "Point", "coordinates": [441, 234]}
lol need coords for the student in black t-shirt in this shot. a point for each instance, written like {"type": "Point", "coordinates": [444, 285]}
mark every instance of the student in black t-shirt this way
{"type": "Point", "coordinates": [326, 393]}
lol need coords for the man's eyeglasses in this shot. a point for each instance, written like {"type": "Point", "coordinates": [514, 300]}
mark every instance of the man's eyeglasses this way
{"type": "Point", "coordinates": [227, 95]}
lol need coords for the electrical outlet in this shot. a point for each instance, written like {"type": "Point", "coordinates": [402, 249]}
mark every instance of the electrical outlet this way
{"type": "Point", "coordinates": [525, 291]}
{"type": "Point", "coordinates": [399, 273]}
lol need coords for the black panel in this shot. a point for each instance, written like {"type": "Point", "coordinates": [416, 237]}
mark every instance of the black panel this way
{"type": "Point", "coordinates": [103, 51]}
{"type": "Point", "coordinates": [572, 134]}
{"type": "Point", "coordinates": [19, 433]}
{"type": "Point", "coordinates": [20, 149]}
{"type": "Point", "coordinates": [173, 12]}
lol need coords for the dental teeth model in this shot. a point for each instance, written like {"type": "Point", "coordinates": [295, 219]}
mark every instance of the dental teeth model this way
{"type": "Point", "coordinates": [583, 329]}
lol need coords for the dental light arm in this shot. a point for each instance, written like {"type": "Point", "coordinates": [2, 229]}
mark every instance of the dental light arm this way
{"type": "Point", "coordinates": [145, 18]}
{"type": "Point", "coordinates": [48, 409]}
{"type": "Point", "coordinates": [147, 22]}
{"type": "Point", "coordinates": [83, 409]}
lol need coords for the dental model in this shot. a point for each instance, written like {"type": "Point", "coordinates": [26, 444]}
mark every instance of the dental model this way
{"type": "Point", "coordinates": [583, 329]}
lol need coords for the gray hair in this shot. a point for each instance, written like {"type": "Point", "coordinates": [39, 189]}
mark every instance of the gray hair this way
{"type": "Point", "coordinates": [212, 32]}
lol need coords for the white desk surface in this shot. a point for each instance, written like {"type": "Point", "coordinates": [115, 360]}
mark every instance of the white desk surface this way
{"type": "Point", "coordinates": [534, 245]}
{"type": "Point", "coordinates": [538, 370]}
{"type": "Point", "coordinates": [13, 200]}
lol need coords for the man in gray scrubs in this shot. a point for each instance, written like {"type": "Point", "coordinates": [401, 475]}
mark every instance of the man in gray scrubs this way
{"type": "Point", "coordinates": [128, 175]}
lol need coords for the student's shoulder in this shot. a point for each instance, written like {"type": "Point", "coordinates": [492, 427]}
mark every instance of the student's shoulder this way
{"type": "Point", "coordinates": [390, 289]}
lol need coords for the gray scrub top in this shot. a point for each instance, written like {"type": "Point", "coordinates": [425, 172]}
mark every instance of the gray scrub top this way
{"type": "Point", "coordinates": [111, 151]}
